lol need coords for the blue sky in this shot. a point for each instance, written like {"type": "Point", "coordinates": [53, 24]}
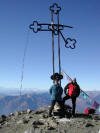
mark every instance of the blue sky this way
{"type": "Point", "coordinates": [82, 63]}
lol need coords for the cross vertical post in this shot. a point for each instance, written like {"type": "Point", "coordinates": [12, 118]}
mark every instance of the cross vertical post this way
{"type": "Point", "coordinates": [59, 46]}
{"type": "Point", "coordinates": [53, 62]}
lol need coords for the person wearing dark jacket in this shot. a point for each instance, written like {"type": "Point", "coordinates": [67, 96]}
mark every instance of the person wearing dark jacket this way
{"type": "Point", "coordinates": [72, 90]}
{"type": "Point", "coordinates": [56, 92]}
{"type": "Point", "coordinates": [56, 96]}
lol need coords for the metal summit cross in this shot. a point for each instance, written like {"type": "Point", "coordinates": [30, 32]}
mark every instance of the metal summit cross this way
{"type": "Point", "coordinates": [56, 29]}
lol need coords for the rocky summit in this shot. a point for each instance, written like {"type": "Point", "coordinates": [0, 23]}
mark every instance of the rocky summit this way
{"type": "Point", "coordinates": [30, 121]}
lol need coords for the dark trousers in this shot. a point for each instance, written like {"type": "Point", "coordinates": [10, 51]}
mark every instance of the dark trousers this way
{"type": "Point", "coordinates": [53, 102]}
{"type": "Point", "coordinates": [73, 102]}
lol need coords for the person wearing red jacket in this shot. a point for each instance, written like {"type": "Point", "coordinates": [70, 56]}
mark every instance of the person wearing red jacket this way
{"type": "Point", "coordinates": [72, 90]}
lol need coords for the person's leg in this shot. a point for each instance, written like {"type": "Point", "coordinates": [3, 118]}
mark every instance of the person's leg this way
{"type": "Point", "coordinates": [52, 106]}
{"type": "Point", "coordinates": [74, 105]}
{"type": "Point", "coordinates": [66, 98]}
{"type": "Point", "coordinates": [61, 104]}
{"type": "Point", "coordinates": [62, 107]}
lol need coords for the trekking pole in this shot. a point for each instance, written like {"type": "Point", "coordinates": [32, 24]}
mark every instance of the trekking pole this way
{"type": "Point", "coordinates": [71, 80]}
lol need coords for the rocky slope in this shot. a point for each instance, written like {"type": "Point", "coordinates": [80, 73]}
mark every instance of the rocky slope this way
{"type": "Point", "coordinates": [37, 122]}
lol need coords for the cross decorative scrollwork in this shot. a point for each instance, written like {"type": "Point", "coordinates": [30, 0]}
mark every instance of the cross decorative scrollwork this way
{"type": "Point", "coordinates": [55, 8]}
{"type": "Point", "coordinates": [56, 29]}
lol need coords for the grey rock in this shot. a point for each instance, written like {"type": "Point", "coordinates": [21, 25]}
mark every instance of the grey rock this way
{"type": "Point", "coordinates": [39, 112]}
{"type": "Point", "coordinates": [38, 123]}
{"type": "Point", "coordinates": [96, 118]}
{"type": "Point", "coordinates": [11, 114]}
{"type": "Point", "coordinates": [45, 115]}
{"type": "Point", "coordinates": [28, 117]}
{"type": "Point", "coordinates": [3, 118]}
{"type": "Point", "coordinates": [51, 128]}
{"type": "Point", "coordinates": [89, 125]}
{"type": "Point", "coordinates": [22, 122]}
{"type": "Point", "coordinates": [17, 114]}
{"type": "Point", "coordinates": [34, 130]}
{"type": "Point", "coordinates": [25, 121]}
{"type": "Point", "coordinates": [28, 111]}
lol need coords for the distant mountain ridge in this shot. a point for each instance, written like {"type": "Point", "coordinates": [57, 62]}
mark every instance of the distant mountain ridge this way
{"type": "Point", "coordinates": [9, 104]}
{"type": "Point", "coordinates": [16, 91]}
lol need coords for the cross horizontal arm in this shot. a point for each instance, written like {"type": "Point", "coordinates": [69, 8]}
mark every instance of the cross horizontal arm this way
{"type": "Point", "coordinates": [47, 27]}
{"type": "Point", "coordinates": [60, 25]}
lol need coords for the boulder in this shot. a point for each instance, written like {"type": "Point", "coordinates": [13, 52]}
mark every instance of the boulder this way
{"type": "Point", "coordinates": [37, 122]}
{"type": "Point", "coordinates": [89, 125]}
{"type": "Point", "coordinates": [3, 118]}
{"type": "Point", "coordinates": [28, 117]}
{"type": "Point", "coordinates": [17, 114]}
{"type": "Point", "coordinates": [34, 130]}
{"type": "Point", "coordinates": [22, 122]}
{"type": "Point", "coordinates": [51, 128]}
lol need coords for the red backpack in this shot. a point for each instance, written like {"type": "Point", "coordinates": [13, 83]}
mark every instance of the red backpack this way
{"type": "Point", "coordinates": [89, 111]}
